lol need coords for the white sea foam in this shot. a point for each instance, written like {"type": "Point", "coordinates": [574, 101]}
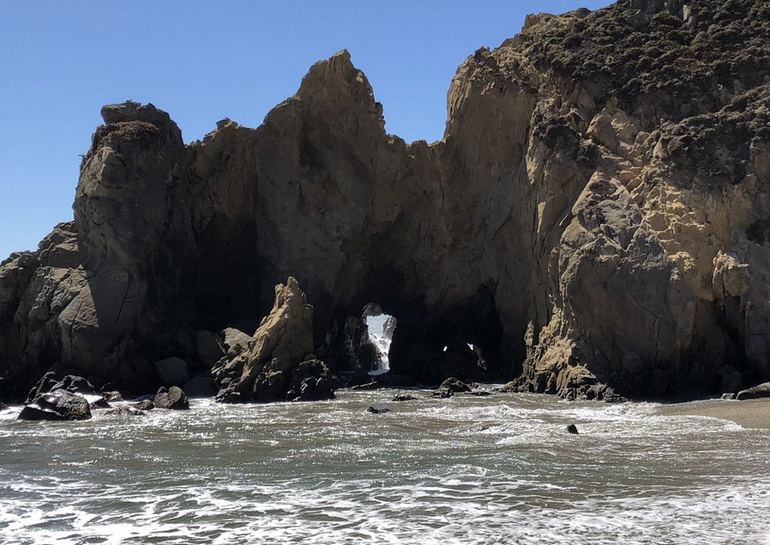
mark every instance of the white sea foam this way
{"type": "Point", "coordinates": [464, 470]}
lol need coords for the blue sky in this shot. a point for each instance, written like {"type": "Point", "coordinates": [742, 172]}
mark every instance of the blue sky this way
{"type": "Point", "coordinates": [202, 61]}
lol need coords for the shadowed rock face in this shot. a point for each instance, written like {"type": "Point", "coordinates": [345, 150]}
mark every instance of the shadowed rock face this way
{"type": "Point", "coordinates": [597, 214]}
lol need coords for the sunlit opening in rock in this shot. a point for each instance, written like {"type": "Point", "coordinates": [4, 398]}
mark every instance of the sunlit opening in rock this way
{"type": "Point", "coordinates": [380, 328]}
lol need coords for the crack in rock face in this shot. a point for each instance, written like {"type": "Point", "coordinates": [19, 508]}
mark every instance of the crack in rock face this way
{"type": "Point", "coordinates": [592, 224]}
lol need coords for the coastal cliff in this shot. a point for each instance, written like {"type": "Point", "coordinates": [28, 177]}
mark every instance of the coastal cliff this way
{"type": "Point", "coordinates": [595, 220]}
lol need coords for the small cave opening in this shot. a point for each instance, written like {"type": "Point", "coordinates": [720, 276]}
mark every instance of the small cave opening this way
{"type": "Point", "coordinates": [380, 328]}
{"type": "Point", "coordinates": [364, 342]}
{"type": "Point", "coordinates": [462, 340]}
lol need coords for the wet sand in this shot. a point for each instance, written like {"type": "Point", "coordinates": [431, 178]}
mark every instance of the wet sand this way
{"type": "Point", "coordinates": [752, 413]}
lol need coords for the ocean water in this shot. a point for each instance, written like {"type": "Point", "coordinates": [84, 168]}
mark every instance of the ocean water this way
{"type": "Point", "coordinates": [470, 470]}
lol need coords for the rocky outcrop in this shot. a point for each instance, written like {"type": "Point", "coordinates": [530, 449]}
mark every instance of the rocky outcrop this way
{"type": "Point", "coordinates": [452, 386]}
{"type": "Point", "coordinates": [279, 363]}
{"type": "Point", "coordinates": [144, 405]}
{"type": "Point", "coordinates": [172, 398]}
{"type": "Point", "coordinates": [755, 392]}
{"type": "Point", "coordinates": [594, 223]}
{"type": "Point", "coordinates": [57, 405]}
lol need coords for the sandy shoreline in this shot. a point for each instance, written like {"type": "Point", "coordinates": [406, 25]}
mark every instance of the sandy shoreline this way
{"type": "Point", "coordinates": [752, 413]}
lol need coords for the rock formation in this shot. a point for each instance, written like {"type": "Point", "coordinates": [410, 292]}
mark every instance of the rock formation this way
{"type": "Point", "coordinates": [171, 398]}
{"type": "Point", "coordinates": [596, 219]}
{"type": "Point", "coordinates": [57, 405]}
{"type": "Point", "coordinates": [279, 364]}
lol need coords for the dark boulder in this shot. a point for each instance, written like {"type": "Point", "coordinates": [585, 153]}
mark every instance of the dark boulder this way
{"type": "Point", "coordinates": [75, 385]}
{"type": "Point", "coordinates": [755, 392]}
{"type": "Point", "coordinates": [311, 380]}
{"type": "Point", "coordinates": [50, 382]}
{"type": "Point", "coordinates": [208, 349]}
{"type": "Point", "coordinates": [270, 384]}
{"type": "Point", "coordinates": [572, 428]}
{"type": "Point", "coordinates": [442, 394]}
{"type": "Point", "coordinates": [124, 410]}
{"type": "Point", "coordinates": [144, 405]}
{"type": "Point", "coordinates": [455, 385]}
{"type": "Point", "coordinates": [173, 398]}
{"type": "Point", "coordinates": [3, 406]}
{"type": "Point", "coordinates": [378, 409]}
{"type": "Point", "coordinates": [99, 403]}
{"type": "Point", "coordinates": [57, 405]}
{"type": "Point", "coordinates": [112, 396]}
{"type": "Point", "coordinates": [511, 387]}
{"type": "Point", "coordinates": [403, 397]}
{"type": "Point", "coordinates": [450, 387]}
{"type": "Point", "coordinates": [45, 384]}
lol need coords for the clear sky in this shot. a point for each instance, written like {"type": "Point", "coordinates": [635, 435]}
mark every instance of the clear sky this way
{"type": "Point", "coordinates": [60, 61]}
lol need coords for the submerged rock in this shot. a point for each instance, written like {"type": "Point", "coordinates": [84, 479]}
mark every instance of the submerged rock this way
{"type": "Point", "coordinates": [442, 394]}
{"type": "Point", "coordinates": [112, 395]}
{"type": "Point", "coordinates": [758, 391]}
{"type": "Point", "coordinates": [572, 428]}
{"type": "Point", "coordinates": [403, 397]}
{"type": "Point", "coordinates": [144, 405]}
{"type": "Point", "coordinates": [58, 405]}
{"type": "Point", "coordinates": [454, 385]}
{"type": "Point", "coordinates": [172, 398]}
{"type": "Point", "coordinates": [124, 411]}
{"type": "Point", "coordinates": [450, 387]}
{"type": "Point", "coordinates": [378, 409]}
{"type": "Point", "coordinates": [480, 393]}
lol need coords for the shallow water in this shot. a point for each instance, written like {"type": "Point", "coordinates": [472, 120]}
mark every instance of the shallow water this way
{"type": "Point", "coordinates": [497, 469]}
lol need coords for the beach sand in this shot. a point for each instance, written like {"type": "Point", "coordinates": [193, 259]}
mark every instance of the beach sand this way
{"type": "Point", "coordinates": [752, 413]}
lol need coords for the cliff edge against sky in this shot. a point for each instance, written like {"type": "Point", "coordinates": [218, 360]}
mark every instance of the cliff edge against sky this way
{"type": "Point", "coordinates": [596, 219]}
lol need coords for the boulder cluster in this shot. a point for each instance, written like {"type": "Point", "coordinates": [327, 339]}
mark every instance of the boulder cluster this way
{"type": "Point", "coordinates": [594, 223]}
{"type": "Point", "coordinates": [277, 363]}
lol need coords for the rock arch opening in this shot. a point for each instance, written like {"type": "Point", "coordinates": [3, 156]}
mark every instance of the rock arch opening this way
{"type": "Point", "coordinates": [380, 328]}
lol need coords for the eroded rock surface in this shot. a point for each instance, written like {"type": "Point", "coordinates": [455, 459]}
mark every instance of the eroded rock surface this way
{"type": "Point", "coordinates": [279, 364]}
{"type": "Point", "coordinates": [57, 405]}
{"type": "Point", "coordinates": [171, 398]}
{"type": "Point", "coordinates": [595, 222]}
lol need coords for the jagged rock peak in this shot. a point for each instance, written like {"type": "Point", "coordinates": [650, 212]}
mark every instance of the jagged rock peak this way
{"type": "Point", "coordinates": [336, 83]}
